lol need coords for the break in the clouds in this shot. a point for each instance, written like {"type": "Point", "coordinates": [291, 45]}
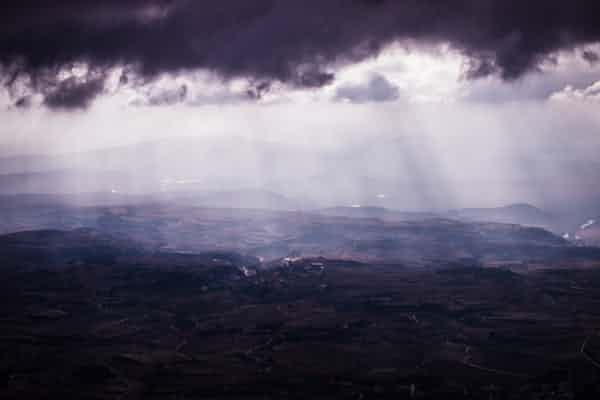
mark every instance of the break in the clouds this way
{"type": "Point", "coordinates": [298, 43]}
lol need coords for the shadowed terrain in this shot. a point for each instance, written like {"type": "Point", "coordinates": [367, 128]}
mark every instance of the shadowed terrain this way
{"type": "Point", "coordinates": [155, 301]}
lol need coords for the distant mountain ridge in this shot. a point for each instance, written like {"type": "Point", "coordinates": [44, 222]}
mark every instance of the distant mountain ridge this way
{"type": "Point", "coordinates": [518, 213]}
{"type": "Point", "coordinates": [375, 212]}
{"type": "Point", "coordinates": [242, 173]}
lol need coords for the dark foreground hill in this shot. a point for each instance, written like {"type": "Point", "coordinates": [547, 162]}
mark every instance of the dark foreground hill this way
{"type": "Point", "coordinates": [60, 248]}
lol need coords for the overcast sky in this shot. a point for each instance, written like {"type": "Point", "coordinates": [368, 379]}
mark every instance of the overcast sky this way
{"type": "Point", "coordinates": [475, 81]}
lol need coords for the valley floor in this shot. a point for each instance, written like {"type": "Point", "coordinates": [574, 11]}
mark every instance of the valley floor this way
{"type": "Point", "coordinates": [310, 329]}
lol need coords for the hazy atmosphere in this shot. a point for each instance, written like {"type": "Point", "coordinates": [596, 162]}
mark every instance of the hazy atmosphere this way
{"type": "Point", "coordinates": [280, 177]}
{"type": "Point", "coordinates": [350, 99]}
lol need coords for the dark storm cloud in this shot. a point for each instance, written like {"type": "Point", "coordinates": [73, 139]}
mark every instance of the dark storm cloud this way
{"type": "Point", "coordinates": [23, 102]}
{"type": "Point", "coordinates": [73, 93]}
{"type": "Point", "coordinates": [259, 90]}
{"type": "Point", "coordinates": [291, 41]}
{"type": "Point", "coordinates": [480, 68]}
{"type": "Point", "coordinates": [591, 56]}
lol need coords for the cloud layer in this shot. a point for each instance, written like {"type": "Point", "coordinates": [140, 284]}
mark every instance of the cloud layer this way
{"type": "Point", "coordinates": [377, 89]}
{"type": "Point", "coordinates": [298, 43]}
